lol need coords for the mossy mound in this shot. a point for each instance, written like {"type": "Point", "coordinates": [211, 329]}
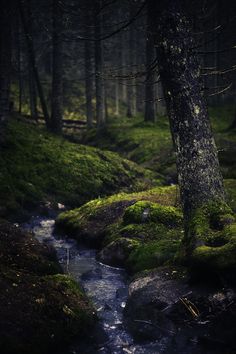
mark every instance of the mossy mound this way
{"type": "Point", "coordinates": [92, 220]}
{"type": "Point", "coordinates": [211, 238]}
{"type": "Point", "coordinates": [37, 166]}
{"type": "Point", "coordinates": [117, 226]}
{"type": "Point", "coordinates": [40, 309]}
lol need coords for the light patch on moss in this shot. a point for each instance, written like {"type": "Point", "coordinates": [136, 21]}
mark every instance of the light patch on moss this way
{"type": "Point", "coordinates": [152, 255]}
{"type": "Point", "coordinates": [37, 166]}
{"type": "Point", "coordinates": [145, 211]}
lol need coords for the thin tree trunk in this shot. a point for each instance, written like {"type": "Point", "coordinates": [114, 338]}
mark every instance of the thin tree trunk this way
{"type": "Point", "coordinates": [117, 98]}
{"type": "Point", "coordinates": [123, 66]}
{"type": "Point", "coordinates": [150, 114]}
{"type": "Point", "coordinates": [32, 95]}
{"type": "Point", "coordinates": [57, 70]}
{"type": "Point", "coordinates": [134, 64]}
{"type": "Point", "coordinates": [130, 82]}
{"type": "Point", "coordinates": [5, 60]}
{"type": "Point", "coordinates": [5, 64]}
{"type": "Point", "coordinates": [160, 102]}
{"type": "Point", "coordinates": [199, 174]}
{"type": "Point", "coordinates": [31, 55]}
{"type": "Point", "coordinates": [20, 83]}
{"type": "Point", "coordinates": [233, 124]}
{"type": "Point", "coordinates": [99, 81]}
{"type": "Point", "coordinates": [88, 71]}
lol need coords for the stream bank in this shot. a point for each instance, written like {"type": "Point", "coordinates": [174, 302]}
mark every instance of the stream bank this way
{"type": "Point", "coordinates": [160, 311]}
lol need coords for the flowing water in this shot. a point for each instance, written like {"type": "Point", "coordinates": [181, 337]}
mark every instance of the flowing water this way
{"type": "Point", "coordinates": [106, 286]}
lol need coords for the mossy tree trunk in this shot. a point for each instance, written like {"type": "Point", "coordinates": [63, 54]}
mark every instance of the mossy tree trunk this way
{"type": "Point", "coordinates": [5, 63]}
{"type": "Point", "coordinates": [57, 69]}
{"type": "Point", "coordinates": [200, 180]}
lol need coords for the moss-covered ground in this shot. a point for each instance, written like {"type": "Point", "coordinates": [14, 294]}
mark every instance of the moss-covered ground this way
{"type": "Point", "coordinates": [150, 144]}
{"type": "Point", "coordinates": [120, 208]}
{"type": "Point", "coordinates": [151, 221]}
{"type": "Point", "coordinates": [41, 309]}
{"type": "Point", "coordinates": [37, 166]}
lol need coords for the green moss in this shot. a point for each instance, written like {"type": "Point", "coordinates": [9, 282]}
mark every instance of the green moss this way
{"type": "Point", "coordinates": [145, 211]}
{"type": "Point", "coordinates": [40, 309]}
{"type": "Point", "coordinates": [103, 212]}
{"type": "Point", "coordinates": [117, 252]}
{"type": "Point", "coordinates": [37, 166]}
{"type": "Point", "coordinates": [221, 257]}
{"type": "Point", "coordinates": [211, 237]}
{"type": "Point", "coordinates": [144, 143]}
{"type": "Point", "coordinates": [151, 145]}
{"type": "Point", "coordinates": [152, 255]}
{"type": "Point", "coordinates": [117, 222]}
{"type": "Point", "coordinates": [230, 187]}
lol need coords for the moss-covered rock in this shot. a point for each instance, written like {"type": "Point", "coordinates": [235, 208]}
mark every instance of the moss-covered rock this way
{"type": "Point", "coordinates": [41, 310]}
{"type": "Point", "coordinates": [116, 224]}
{"type": "Point", "coordinates": [145, 211]}
{"type": "Point", "coordinates": [117, 252]}
{"type": "Point", "coordinates": [36, 166]}
{"type": "Point", "coordinates": [153, 254]}
{"type": "Point", "coordinates": [92, 220]}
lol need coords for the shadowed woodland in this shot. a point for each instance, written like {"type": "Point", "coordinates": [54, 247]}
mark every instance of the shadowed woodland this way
{"type": "Point", "coordinates": [117, 176]}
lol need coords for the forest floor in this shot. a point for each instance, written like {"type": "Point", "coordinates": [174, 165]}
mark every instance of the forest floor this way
{"type": "Point", "coordinates": [125, 206]}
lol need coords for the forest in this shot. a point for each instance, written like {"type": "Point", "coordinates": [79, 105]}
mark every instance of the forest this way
{"type": "Point", "coordinates": [117, 177]}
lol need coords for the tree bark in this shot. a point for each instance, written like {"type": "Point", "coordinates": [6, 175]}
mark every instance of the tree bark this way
{"type": "Point", "coordinates": [32, 95]}
{"type": "Point", "coordinates": [130, 83]}
{"type": "Point", "coordinates": [123, 67]}
{"type": "Point", "coordinates": [99, 81]}
{"type": "Point", "coordinates": [117, 98]}
{"type": "Point", "coordinates": [88, 70]}
{"type": "Point", "coordinates": [57, 70]}
{"type": "Point", "coordinates": [19, 69]}
{"type": "Point", "coordinates": [197, 162]}
{"type": "Point", "coordinates": [150, 114]}
{"type": "Point", "coordinates": [31, 81]}
{"type": "Point", "coordinates": [5, 64]}
{"type": "Point", "coordinates": [31, 55]}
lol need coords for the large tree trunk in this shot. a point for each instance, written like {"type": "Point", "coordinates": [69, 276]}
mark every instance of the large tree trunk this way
{"type": "Point", "coordinates": [5, 63]}
{"type": "Point", "coordinates": [99, 80]}
{"type": "Point", "coordinates": [57, 70]}
{"type": "Point", "coordinates": [200, 180]}
{"type": "Point", "coordinates": [31, 55]}
{"type": "Point", "coordinates": [150, 113]}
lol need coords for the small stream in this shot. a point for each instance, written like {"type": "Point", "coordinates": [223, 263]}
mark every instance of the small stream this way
{"type": "Point", "coordinates": [106, 286]}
